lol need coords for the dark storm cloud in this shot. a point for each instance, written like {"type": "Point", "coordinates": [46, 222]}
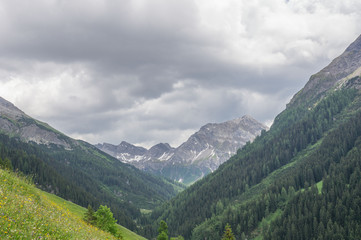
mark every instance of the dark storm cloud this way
{"type": "Point", "coordinates": [155, 71]}
{"type": "Point", "coordinates": [158, 44]}
{"type": "Point", "coordinates": [109, 31]}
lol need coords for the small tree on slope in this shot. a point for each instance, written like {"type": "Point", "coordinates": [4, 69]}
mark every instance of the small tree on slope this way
{"type": "Point", "coordinates": [163, 231]}
{"type": "Point", "coordinates": [228, 235]}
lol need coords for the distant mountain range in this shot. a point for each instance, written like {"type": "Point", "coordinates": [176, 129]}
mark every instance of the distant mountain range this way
{"type": "Point", "coordinates": [201, 154]}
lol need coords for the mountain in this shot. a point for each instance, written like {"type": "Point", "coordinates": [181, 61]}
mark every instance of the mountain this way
{"type": "Point", "coordinates": [343, 71]}
{"type": "Point", "coordinates": [129, 153]}
{"type": "Point", "coordinates": [76, 170]}
{"type": "Point", "coordinates": [201, 154]}
{"type": "Point", "coordinates": [299, 180]}
{"type": "Point", "coordinates": [14, 122]}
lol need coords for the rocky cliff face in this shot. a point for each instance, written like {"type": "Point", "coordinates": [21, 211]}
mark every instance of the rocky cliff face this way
{"type": "Point", "coordinates": [344, 70]}
{"type": "Point", "coordinates": [202, 153]}
{"type": "Point", "coordinates": [14, 122]}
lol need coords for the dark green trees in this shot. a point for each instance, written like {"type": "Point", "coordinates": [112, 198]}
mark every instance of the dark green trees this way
{"type": "Point", "coordinates": [102, 219]}
{"type": "Point", "coordinates": [6, 163]}
{"type": "Point", "coordinates": [163, 231]}
{"type": "Point", "coordinates": [303, 147]}
{"type": "Point", "coordinates": [89, 216]}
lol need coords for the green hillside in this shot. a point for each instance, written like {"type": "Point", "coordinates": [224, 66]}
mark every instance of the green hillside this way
{"type": "Point", "coordinates": [79, 212]}
{"type": "Point", "coordinates": [26, 213]}
{"type": "Point", "coordinates": [29, 213]}
{"type": "Point", "coordinates": [299, 180]}
{"type": "Point", "coordinates": [86, 176]}
{"type": "Point", "coordinates": [75, 170]}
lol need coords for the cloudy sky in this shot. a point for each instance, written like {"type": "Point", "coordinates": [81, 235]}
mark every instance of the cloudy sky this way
{"type": "Point", "coordinates": [149, 71]}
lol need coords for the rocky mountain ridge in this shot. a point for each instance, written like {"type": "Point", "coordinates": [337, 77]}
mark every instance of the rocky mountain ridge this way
{"type": "Point", "coordinates": [343, 71]}
{"type": "Point", "coordinates": [75, 169]}
{"type": "Point", "coordinates": [15, 122]}
{"type": "Point", "coordinates": [202, 153]}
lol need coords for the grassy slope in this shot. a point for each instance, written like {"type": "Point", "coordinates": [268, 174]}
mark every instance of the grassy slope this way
{"type": "Point", "coordinates": [79, 211]}
{"type": "Point", "coordinates": [28, 213]}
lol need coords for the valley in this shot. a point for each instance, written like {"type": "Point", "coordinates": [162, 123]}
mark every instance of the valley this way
{"type": "Point", "coordinates": [300, 179]}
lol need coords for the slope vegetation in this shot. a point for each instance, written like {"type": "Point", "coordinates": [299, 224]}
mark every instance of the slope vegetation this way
{"type": "Point", "coordinates": [86, 176]}
{"type": "Point", "coordinates": [276, 181]}
{"type": "Point", "coordinates": [26, 213]}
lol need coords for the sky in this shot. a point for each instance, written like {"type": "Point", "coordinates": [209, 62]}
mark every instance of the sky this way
{"type": "Point", "coordinates": [150, 71]}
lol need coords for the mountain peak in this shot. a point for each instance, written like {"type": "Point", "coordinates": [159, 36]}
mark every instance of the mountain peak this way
{"type": "Point", "coordinates": [15, 122]}
{"type": "Point", "coordinates": [161, 146]}
{"type": "Point", "coordinates": [9, 109]}
{"type": "Point", "coordinates": [346, 66]}
{"type": "Point", "coordinates": [5, 103]}
{"type": "Point", "coordinates": [247, 120]}
{"type": "Point", "coordinates": [243, 118]}
{"type": "Point", "coordinates": [202, 153]}
{"type": "Point", "coordinates": [356, 45]}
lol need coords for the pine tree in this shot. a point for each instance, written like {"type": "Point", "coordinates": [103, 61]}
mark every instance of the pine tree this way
{"type": "Point", "coordinates": [105, 220]}
{"type": "Point", "coordinates": [243, 236]}
{"type": "Point", "coordinates": [228, 235]}
{"type": "Point", "coordinates": [163, 231]}
{"type": "Point", "coordinates": [89, 215]}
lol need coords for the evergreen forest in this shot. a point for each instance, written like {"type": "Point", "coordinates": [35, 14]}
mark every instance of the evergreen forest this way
{"type": "Point", "coordinates": [299, 180]}
{"type": "Point", "coordinates": [87, 176]}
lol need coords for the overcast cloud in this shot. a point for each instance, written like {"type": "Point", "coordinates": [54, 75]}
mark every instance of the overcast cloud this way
{"type": "Point", "coordinates": [149, 71]}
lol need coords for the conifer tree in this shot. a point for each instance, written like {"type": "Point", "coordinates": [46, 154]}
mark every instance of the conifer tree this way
{"type": "Point", "coordinates": [228, 235]}
{"type": "Point", "coordinates": [163, 231]}
{"type": "Point", "coordinates": [89, 215]}
{"type": "Point", "coordinates": [105, 220]}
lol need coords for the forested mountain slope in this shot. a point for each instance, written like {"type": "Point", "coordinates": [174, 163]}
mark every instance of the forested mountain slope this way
{"type": "Point", "coordinates": [76, 170]}
{"type": "Point", "coordinates": [299, 180]}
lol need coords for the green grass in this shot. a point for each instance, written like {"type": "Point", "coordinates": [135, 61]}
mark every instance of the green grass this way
{"type": "Point", "coordinates": [79, 211]}
{"type": "Point", "coordinates": [29, 213]}
{"type": "Point", "coordinates": [319, 186]}
{"type": "Point", "coordinates": [265, 223]}
{"type": "Point", "coordinates": [146, 211]}
{"type": "Point", "coordinates": [127, 234]}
